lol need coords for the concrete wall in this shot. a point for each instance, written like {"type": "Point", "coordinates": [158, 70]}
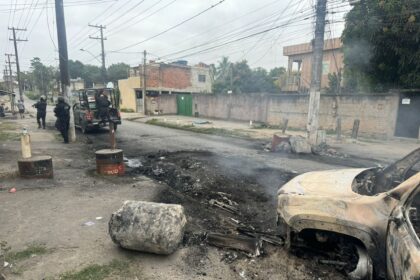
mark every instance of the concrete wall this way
{"type": "Point", "coordinates": [377, 113]}
{"type": "Point", "coordinates": [162, 104]}
{"type": "Point", "coordinates": [127, 93]}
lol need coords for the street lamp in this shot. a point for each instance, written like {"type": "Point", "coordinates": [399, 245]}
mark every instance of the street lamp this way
{"type": "Point", "coordinates": [95, 57]}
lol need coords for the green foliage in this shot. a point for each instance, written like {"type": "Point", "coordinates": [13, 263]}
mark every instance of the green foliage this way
{"type": "Point", "coordinates": [33, 249]}
{"type": "Point", "coordinates": [97, 272]}
{"type": "Point", "coordinates": [118, 71]}
{"type": "Point", "coordinates": [240, 78]}
{"type": "Point", "coordinates": [92, 74]}
{"type": "Point", "coordinates": [33, 95]}
{"type": "Point", "coordinates": [125, 110]}
{"type": "Point", "coordinates": [381, 45]}
{"type": "Point", "coordinates": [334, 83]}
{"type": "Point", "coordinates": [42, 77]}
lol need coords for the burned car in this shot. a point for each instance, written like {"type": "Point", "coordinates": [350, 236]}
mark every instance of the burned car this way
{"type": "Point", "coordinates": [375, 210]}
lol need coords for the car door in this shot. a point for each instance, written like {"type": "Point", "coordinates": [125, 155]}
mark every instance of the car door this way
{"type": "Point", "coordinates": [403, 243]}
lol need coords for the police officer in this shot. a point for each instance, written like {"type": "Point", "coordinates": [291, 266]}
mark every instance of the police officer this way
{"type": "Point", "coordinates": [103, 107]}
{"type": "Point", "coordinates": [41, 111]}
{"type": "Point", "coordinates": [62, 112]}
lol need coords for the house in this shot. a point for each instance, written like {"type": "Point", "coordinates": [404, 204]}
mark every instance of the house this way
{"type": "Point", "coordinates": [77, 84]}
{"type": "Point", "coordinates": [163, 78]}
{"type": "Point", "coordinates": [299, 71]}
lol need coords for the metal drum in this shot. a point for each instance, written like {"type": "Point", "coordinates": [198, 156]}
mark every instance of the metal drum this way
{"type": "Point", "coordinates": [36, 167]}
{"type": "Point", "coordinates": [110, 162]}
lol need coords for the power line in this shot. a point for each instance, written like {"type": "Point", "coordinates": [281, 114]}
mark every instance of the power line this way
{"type": "Point", "coordinates": [235, 40]}
{"type": "Point", "coordinates": [231, 34]}
{"type": "Point", "coordinates": [117, 29]}
{"type": "Point", "coordinates": [173, 27]}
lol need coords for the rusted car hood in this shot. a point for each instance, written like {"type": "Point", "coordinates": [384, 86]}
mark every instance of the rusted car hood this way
{"type": "Point", "coordinates": [332, 183]}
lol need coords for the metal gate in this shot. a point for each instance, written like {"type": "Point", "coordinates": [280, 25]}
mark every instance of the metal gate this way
{"type": "Point", "coordinates": [184, 104]}
{"type": "Point", "coordinates": [408, 120]}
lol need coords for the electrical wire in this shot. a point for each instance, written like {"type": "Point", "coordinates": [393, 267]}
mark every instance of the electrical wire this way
{"type": "Point", "coordinates": [173, 27]}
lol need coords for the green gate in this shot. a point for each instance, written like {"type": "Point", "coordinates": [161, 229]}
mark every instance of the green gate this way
{"type": "Point", "coordinates": [184, 104]}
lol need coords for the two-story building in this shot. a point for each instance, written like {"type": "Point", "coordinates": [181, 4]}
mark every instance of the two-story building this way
{"type": "Point", "coordinates": [162, 78]}
{"type": "Point", "coordinates": [299, 70]}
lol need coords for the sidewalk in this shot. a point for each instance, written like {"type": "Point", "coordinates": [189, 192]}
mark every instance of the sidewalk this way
{"type": "Point", "coordinates": [384, 150]}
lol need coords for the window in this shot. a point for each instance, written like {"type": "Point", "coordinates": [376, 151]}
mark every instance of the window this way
{"type": "Point", "coordinates": [139, 94]}
{"type": "Point", "coordinates": [202, 78]}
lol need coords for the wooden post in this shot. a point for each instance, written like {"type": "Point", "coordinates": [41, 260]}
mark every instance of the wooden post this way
{"type": "Point", "coordinates": [338, 128]}
{"type": "Point", "coordinates": [25, 143]}
{"type": "Point", "coordinates": [285, 124]}
{"type": "Point", "coordinates": [112, 135]}
{"type": "Point", "coordinates": [355, 131]}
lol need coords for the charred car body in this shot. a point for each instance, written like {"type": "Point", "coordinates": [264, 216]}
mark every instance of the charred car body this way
{"type": "Point", "coordinates": [86, 114]}
{"type": "Point", "coordinates": [377, 210]}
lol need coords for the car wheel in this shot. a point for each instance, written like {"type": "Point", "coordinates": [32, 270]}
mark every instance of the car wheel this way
{"type": "Point", "coordinates": [364, 268]}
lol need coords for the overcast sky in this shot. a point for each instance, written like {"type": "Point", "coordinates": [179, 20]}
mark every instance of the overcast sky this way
{"type": "Point", "coordinates": [234, 28]}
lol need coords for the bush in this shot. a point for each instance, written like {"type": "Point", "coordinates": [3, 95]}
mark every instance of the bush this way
{"type": "Point", "coordinates": [32, 95]}
{"type": "Point", "coordinates": [125, 110]}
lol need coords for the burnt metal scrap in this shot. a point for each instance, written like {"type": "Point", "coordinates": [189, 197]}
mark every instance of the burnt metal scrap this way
{"type": "Point", "coordinates": [252, 246]}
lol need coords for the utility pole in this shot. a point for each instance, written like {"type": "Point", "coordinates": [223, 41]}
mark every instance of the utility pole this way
{"type": "Point", "coordinates": [10, 71]}
{"type": "Point", "coordinates": [315, 89]}
{"type": "Point", "coordinates": [12, 100]}
{"type": "Point", "coordinates": [144, 82]}
{"type": "Point", "coordinates": [17, 58]}
{"type": "Point", "coordinates": [101, 28]}
{"type": "Point", "coordinates": [63, 56]}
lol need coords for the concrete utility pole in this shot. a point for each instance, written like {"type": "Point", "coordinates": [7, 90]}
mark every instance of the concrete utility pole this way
{"type": "Point", "coordinates": [63, 57]}
{"type": "Point", "coordinates": [12, 101]}
{"type": "Point", "coordinates": [17, 58]}
{"type": "Point", "coordinates": [144, 82]}
{"type": "Point", "coordinates": [315, 90]}
{"type": "Point", "coordinates": [10, 71]}
{"type": "Point", "coordinates": [101, 28]}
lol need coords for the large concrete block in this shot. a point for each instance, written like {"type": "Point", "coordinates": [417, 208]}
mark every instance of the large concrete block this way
{"type": "Point", "coordinates": [300, 145]}
{"type": "Point", "coordinates": [148, 227]}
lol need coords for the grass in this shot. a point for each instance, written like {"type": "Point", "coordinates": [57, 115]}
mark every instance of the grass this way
{"type": "Point", "coordinates": [33, 249]}
{"type": "Point", "coordinates": [98, 272]}
{"type": "Point", "coordinates": [9, 136]}
{"type": "Point", "coordinates": [125, 110]}
{"type": "Point", "coordinates": [204, 130]}
{"type": "Point", "coordinates": [7, 132]}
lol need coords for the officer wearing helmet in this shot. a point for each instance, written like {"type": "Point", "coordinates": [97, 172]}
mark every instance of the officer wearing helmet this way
{"type": "Point", "coordinates": [41, 111]}
{"type": "Point", "coordinates": [62, 112]}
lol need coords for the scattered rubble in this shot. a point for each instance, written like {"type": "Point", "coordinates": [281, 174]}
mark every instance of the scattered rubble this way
{"type": "Point", "coordinates": [148, 227]}
{"type": "Point", "coordinates": [252, 246]}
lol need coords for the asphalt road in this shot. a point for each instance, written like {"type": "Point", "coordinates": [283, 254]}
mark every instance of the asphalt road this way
{"type": "Point", "coordinates": [137, 138]}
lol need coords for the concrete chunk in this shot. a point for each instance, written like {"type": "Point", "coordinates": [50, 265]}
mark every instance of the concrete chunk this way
{"type": "Point", "coordinates": [300, 145]}
{"type": "Point", "coordinates": [148, 227]}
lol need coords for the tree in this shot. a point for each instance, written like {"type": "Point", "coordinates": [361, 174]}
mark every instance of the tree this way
{"type": "Point", "coordinates": [381, 45]}
{"type": "Point", "coordinates": [42, 76]}
{"type": "Point", "coordinates": [76, 69]}
{"type": "Point", "coordinates": [118, 71]}
{"type": "Point", "coordinates": [240, 78]}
